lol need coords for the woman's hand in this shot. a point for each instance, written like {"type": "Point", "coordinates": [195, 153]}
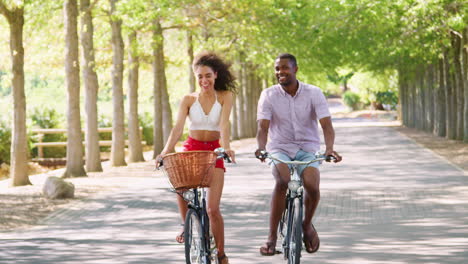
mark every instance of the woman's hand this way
{"type": "Point", "coordinates": [231, 155]}
{"type": "Point", "coordinates": [158, 159]}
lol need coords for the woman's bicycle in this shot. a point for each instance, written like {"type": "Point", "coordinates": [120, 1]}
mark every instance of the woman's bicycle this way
{"type": "Point", "coordinates": [190, 173]}
{"type": "Point", "coordinates": [290, 225]}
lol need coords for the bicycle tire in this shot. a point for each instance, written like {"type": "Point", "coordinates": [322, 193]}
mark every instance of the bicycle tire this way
{"type": "Point", "coordinates": [194, 239]}
{"type": "Point", "coordinates": [295, 237]}
{"type": "Point", "coordinates": [207, 236]}
{"type": "Point", "coordinates": [287, 218]}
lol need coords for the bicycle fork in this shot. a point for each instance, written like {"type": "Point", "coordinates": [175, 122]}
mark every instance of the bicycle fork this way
{"type": "Point", "coordinates": [295, 190]}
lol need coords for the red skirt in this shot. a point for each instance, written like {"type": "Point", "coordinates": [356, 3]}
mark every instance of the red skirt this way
{"type": "Point", "coordinates": [192, 144]}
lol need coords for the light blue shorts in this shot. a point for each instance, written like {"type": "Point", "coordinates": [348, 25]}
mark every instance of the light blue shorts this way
{"type": "Point", "coordinates": [300, 156]}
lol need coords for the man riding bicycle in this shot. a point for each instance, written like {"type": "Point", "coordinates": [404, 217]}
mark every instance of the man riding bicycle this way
{"type": "Point", "coordinates": [287, 114]}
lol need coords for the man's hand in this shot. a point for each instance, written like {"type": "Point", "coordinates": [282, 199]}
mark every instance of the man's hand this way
{"type": "Point", "coordinates": [334, 154]}
{"type": "Point", "coordinates": [259, 155]}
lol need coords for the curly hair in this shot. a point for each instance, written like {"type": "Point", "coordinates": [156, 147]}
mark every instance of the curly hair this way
{"type": "Point", "coordinates": [225, 81]}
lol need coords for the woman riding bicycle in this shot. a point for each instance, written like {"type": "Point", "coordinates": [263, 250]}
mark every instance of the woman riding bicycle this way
{"type": "Point", "coordinates": [208, 111]}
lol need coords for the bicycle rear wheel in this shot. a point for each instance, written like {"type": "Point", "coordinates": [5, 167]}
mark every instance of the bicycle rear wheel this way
{"type": "Point", "coordinates": [194, 240]}
{"type": "Point", "coordinates": [295, 237]}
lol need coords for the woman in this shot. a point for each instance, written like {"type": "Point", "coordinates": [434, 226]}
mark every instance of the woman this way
{"type": "Point", "coordinates": [208, 111]}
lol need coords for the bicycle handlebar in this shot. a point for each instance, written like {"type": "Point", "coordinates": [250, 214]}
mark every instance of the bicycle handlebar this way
{"type": "Point", "coordinates": [263, 155]}
{"type": "Point", "coordinates": [220, 152]}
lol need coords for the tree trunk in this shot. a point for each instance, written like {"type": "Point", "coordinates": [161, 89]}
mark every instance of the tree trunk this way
{"type": "Point", "coordinates": [162, 81]}
{"type": "Point", "coordinates": [158, 143]}
{"type": "Point", "coordinates": [429, 100]}
{"type": "Point", "coordinates": [465, 86]}
{"type": "Point", "coordinates": [19, 145]}
{"type": "Point", "coordinates": [134, 147]}
{"type": "Point", "coordinates": [244, 102]}
{"type": "Point", "coordinates": [419, 99]}
{"type": "Point", "coordinates": [450, 127]}
{"type": "Point", "coordinates": [459, 84]}
{"type": "Point", "coordinates": [411, 101]}
{"type": "Point", "coordinates": [75, 165]}
{"type": "Point", "coordinates": [191, 57]}
{"type": "Point", "coordinates": [240, 101]}
{"type": "Point", "coordinates": [92, 152]}
{"type": "Point", "coordinates": [118, 123]}
{"type": "Point", "coordinates": [234, 128]}
{"type": "Point", "coordinates": [440, 126]}
{"type": "Point", "coordinates": [402, 97]}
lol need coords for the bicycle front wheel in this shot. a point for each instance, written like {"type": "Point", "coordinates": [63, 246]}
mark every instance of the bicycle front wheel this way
{"type": "Point", "coordinates": [195, 251]}
{"type": "Point", "coordinates": [295, 237]}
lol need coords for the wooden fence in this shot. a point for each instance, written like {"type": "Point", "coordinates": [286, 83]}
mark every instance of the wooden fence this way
{"type": "Point", "coordinates": [41, 132]}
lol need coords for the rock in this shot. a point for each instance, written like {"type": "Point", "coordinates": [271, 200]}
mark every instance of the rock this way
{"type": "Point", "coordinates": [58, 188]}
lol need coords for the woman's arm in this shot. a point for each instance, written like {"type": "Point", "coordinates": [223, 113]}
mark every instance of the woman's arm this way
{"type": "Point", "coordinates": [224, 124]}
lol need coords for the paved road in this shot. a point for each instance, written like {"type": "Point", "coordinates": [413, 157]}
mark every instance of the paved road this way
{"type": "Point", "coordinates": [390, 201]}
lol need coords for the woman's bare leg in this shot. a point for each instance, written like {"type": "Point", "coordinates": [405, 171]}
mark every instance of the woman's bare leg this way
{"type": "Point", "coordinates": [183, 212]}
{"type": "Point", "coordinates": [216, 219]}
{"type": "Point", "coordinates": [182, 207]}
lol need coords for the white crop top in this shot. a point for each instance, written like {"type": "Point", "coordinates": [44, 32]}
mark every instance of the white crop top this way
{"type": "Point", "coordinates": [200, 121]}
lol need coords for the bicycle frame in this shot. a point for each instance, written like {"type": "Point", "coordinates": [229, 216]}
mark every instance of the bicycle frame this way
{"type": "Point", "coordinates": [199, 205]}
{"type": "Point", "coordinates": [196, 198]}
{"type": "Point", "coordinates": [295, 192]}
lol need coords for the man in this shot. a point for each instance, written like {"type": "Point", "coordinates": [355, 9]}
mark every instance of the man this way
{"type": "Point", "coordinates": [287, 114]}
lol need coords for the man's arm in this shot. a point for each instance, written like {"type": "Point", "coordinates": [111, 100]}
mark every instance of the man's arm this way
{"type": "Point", "coordinates": [262, 136]}
{"type": "Point", "coordinates": [329, 135]}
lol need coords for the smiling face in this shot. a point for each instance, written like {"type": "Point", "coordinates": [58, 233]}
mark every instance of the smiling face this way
{"type": "Point", "coordinates": [285, 72]}
{"type": "Point", "coordinates": [206, 77]}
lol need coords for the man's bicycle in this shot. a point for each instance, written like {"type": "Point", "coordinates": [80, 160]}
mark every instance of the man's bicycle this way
{"type": "Point", "coordinates": [290, 225]}
{"type": "Point", "coordinates": [190, 173]}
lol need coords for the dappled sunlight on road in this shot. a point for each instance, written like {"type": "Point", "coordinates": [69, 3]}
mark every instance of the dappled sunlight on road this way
{"type": "Point", "coordinates": [388, 202]}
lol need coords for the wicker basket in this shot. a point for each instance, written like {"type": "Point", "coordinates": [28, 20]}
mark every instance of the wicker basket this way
{"type": "Point", "coordinates": [190, 169]}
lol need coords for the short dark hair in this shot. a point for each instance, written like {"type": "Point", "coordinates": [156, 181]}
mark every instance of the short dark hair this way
{"type": "Point", "coordinates": [288, 56]}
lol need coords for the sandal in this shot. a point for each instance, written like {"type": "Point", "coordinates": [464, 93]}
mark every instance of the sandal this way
{"type": "Point", "coordinates": [308, 242]}
{"type": "Point", "coordinates": [180, 238]}
{"type": "Point", "coordinates": [268, 249]}
{"type": "Point", "coordinates": [223, 259]}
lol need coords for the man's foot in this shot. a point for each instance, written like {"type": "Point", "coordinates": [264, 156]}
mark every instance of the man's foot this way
{"type": "Point", "coordinates": [180, 238]}
{"type": "Point", "coordinates": [311, 239]}
{"type": "Point", "coordinates": [268, 249]}
{"type": "Point", "coordinates": [223, 259]}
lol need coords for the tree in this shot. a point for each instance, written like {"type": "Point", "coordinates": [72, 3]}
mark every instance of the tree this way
{"type": "Point", "coordinates": [158, 68]}
{"type": "Point", "coordinates": [135, 149]}
{"type": "Point", "coordinates": [19, 149]}
{"type": "Point", "coordinates": [75, 165]}
{"type": "Point", "coordinates": [90, 79]}
{"type": "Point", "coordinates": [337, 79]}
{"type": "Point", "coordinates": [118, 123]}
{"type": "Point", "coordinates": [190, 60]}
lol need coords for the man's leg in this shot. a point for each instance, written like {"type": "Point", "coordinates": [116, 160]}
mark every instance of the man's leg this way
{"type": "Point", "coordinates": [281, 174]}
{"type": "Point", "coordinates": [311, 178]}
